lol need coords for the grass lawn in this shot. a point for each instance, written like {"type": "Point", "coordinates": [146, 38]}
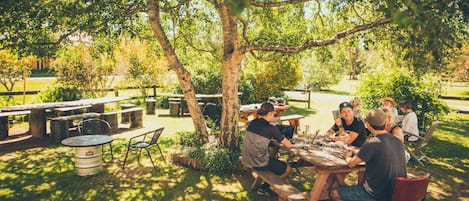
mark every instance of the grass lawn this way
{"type": "Point", "coordinates": [47, 172]}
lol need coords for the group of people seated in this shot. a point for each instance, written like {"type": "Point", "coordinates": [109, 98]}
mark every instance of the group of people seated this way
{"type": "Point", "coordinates": [384, 152]}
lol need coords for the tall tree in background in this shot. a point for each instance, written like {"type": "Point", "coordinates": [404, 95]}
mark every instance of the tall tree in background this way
{"type": "Point", "coordinates": [230, 29]}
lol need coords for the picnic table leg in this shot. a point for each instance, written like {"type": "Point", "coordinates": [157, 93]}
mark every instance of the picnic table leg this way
{"type": "Point", "coordinates": [136, 119]}
{"type": "Point", "coordinates": [98, 108]}
{"type": "Point", "coordinates": [38, 123]}
{"type": "Point", "coordinates": [318, 186]}
{"type": "Point", "coordinates": [3, 127]}
{"type": "Point", "coordinates": [295, 123]}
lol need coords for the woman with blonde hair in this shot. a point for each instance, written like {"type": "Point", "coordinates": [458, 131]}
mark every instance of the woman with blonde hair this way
{"type": "Point", "coordinates": [391, 126]}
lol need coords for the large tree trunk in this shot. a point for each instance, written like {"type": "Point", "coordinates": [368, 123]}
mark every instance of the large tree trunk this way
{"type": "Point", "coordinates": [232, 57]}
{"type": "Point", "coordinates": [229, 118]}
{"type": "Point", "coordinates": [183, 75]}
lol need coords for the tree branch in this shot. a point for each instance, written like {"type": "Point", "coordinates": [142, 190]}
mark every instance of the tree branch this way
{"type": "Point", "coordinates": [317, 43]}
{"type": "Point", "coordinates": [245, 27]}
{"type": "Point", "coordinates": [256, 3]}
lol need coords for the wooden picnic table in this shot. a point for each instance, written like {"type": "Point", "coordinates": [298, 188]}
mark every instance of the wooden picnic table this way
{"type": "Point", "coordinates": [38, 118]}
{"type": "Point", "coordinates": [180, 98]}
{"type": "Point", "coordinates": [328, 163]}
{"type": "Point", "coordinates": [251, 109]}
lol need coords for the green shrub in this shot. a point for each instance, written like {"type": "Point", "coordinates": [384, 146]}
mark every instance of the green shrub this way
{"type": "Point", "coordinates": [401, 84]}
{"type": "Point", "coordinates": [62, 93]}
{"type": "Point", "coordinates": [198, 153]}
{"type": "Point", "coordinates": [187, 138]}
{"type": "Point", "coordinates": [217, 160]}
{"type": "Point", "coordinates": [162, 102]}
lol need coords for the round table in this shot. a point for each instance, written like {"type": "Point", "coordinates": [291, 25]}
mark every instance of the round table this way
{"type": "Point", "coordinates": [88, 151]}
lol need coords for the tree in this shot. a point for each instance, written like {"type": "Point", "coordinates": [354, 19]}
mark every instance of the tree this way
{"type": "Point", "coordinates": [230, 29]}
{"type": "Point", "coordinates": [12, 69]}
{"type": "Point", "coordinates": [140, 64]}
{"type": "Point", "coordinates": [323, 68]}
{"type": "Point", "coordinates": [459, 65]}
{"type": "Point", "coordinates": [80, 66]}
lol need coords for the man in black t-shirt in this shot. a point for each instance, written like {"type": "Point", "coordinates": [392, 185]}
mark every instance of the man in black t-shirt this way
{"type": "Point", "coordinates": [385, 160]}
{"type": "Point", "coordinates": [351, 130]}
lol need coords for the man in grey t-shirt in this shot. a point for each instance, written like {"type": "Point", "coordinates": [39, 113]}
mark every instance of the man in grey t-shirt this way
{"type": "Point", "coordinates": [385, 160]}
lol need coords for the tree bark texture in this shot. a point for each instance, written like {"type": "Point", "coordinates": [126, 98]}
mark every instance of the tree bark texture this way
{"type": "Point", "coordinates": [183, 75]}
{"type": "Point", "coordinates": [232, 57]}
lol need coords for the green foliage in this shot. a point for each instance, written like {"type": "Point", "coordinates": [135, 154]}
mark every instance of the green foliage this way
{"type": "Point", "coordinates": [198, 153]}
{"type": "Point", "coordinates": [427, 31]}
{"type": "Point", "coordinates": [187, 138]}
{"type": "Point", "coordinates": [39, 27]}
{"type": "Point", "coordinates": [62, 93]}
{"type": "Point", "coordinates": [12, 69]}
{"type": "Point", "coordinates": [215, 159]}
{"type": "Point", "coordinates": [401, 84]}
{"type": "Point", "coordinates": [140, 64]}
{"type": "Point", "coordinates": [237, 6]}
{"type": "Point", "coordinates": [323, 68]}
{"type": "Point", "coordinates": [207, 81]}
{"type": "Point", "coordinates": [218, 160]}
{"type": "Point", "coordinates": [83, 67]}
{"type": "Point", "coordinates": [266, 79]}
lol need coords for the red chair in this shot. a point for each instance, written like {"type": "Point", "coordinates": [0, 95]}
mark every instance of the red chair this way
{"type": "Point", "coordinates": [410, 189]}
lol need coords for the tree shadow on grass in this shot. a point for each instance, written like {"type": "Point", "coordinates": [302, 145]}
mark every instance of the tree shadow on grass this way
{"type": "Point", "coordinates": [49, 174]}
{"type": "Point", "coordinates": [448, 163]}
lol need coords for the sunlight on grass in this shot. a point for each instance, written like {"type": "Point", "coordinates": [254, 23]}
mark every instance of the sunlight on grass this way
{"type": "Point", "coordinates": [446, 163]}
{"type": "Point", "coordinates": [6, 192]}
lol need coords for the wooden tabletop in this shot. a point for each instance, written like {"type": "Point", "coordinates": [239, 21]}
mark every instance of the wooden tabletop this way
{"type": "Point", "coordinates": [63, 104]}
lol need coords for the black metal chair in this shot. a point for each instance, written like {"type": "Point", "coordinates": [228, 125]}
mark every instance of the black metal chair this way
{"type": "Point", "coordinates": [143, 142]}
{"type": "Point", "coordinates": [213, 111]}
{"type": "Point", "coordinates": [96, 127]}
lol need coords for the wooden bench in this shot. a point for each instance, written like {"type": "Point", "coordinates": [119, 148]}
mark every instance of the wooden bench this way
{"type": "Point", "coordinates": [285, 191]}
{"type": "Point", "coordinates": [4, 123]}
{"type": "Point", "coordinates": [135, 113]}
{"type": "Point", "coordinates": [125, 115]}
{"type": "Point", "coordinates": [294, 120]}
{"type": "Point", "coordinates": [150, 105]}
{"type": "Point", "coordinates": [59, 126]}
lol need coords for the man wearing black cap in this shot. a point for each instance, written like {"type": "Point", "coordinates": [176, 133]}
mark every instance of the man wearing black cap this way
{"type": "Point", "coordinates": [385, 160]}
{"type": "Point", "coordinates": [351, 130]}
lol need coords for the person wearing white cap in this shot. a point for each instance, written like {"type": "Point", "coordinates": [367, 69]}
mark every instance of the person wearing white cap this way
{"type": "Point", "coordinates": [385, 160]}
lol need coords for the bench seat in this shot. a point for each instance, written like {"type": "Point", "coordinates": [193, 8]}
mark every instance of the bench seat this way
{"type": "Point", "coordinates": [284, 190]}
{"type": "Point", "coordinates": [76, 116]}
{"type": "Point", "coordinates": [4, 121]}
{"type": "Point", "coordinates": [135, 116]}
{"type": "Point", "coordinates": [60, 126]}
{"type": "Point", "coordinates": [293, 119]}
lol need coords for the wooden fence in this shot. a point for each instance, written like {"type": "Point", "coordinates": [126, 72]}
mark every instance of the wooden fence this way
{"type": "Point", "coordinates": [115, 90]}
{"type": "Point", "coordinates": [303, 96]}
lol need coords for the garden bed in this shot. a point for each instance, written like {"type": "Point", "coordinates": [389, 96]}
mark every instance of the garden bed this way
{"type": "Point", "coordinates": [181, 159]}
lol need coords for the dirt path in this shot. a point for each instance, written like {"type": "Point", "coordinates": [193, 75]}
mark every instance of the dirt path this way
{"type": "Point", "coordinates": [323, 104]}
